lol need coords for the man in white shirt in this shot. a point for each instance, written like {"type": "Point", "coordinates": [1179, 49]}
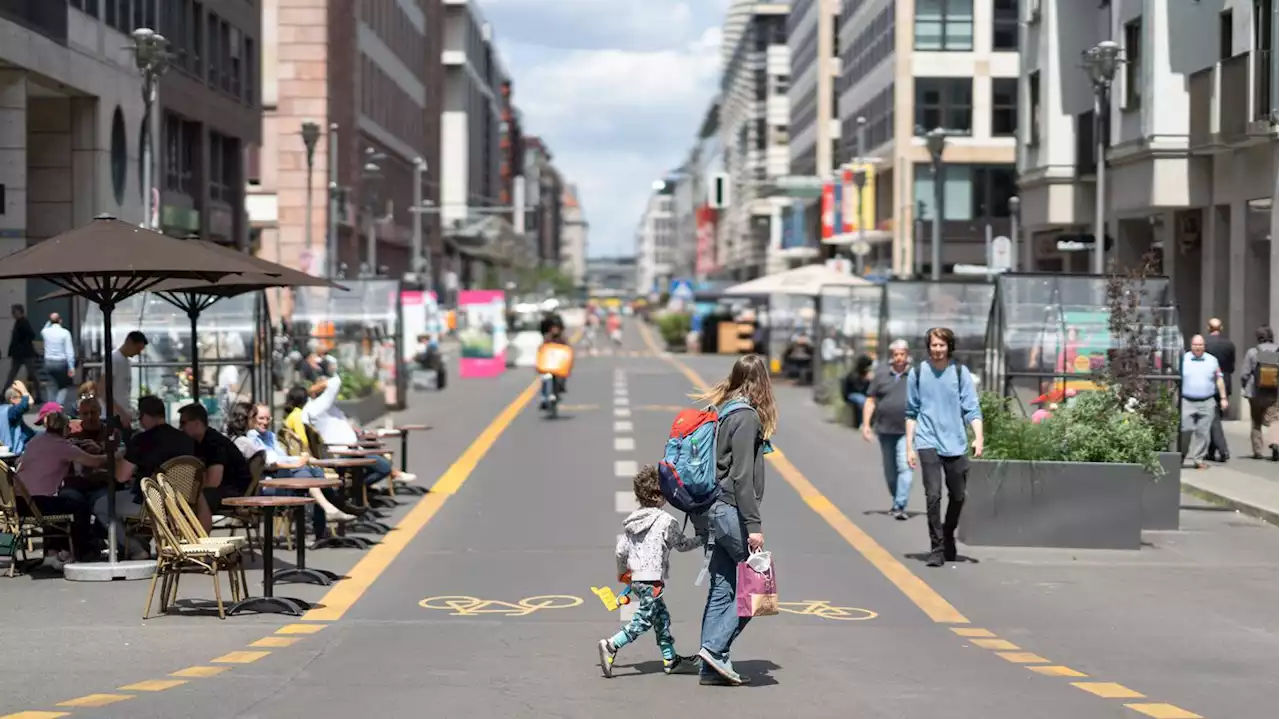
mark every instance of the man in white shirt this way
{"type": "Point", "coordinates": [59, 358]}
{"type": "Point", "coordinates": [336, 430]}
{"type": "Point", "coordinates": [122, 378]}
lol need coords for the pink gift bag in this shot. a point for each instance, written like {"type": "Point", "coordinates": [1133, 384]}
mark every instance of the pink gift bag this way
{"type": "Point", "coordinates": [757, 586]}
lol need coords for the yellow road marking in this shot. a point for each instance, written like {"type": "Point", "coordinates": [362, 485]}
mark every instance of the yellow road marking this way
{"type": "Point", "coordinates": [346, 593]}
{"type": "Point", "coordinates": [1022, 657]}
{"type": "Point", "coordinates": [154, 685]}
{"type": "Point", "coordinates": [199, 672]}
{"type": "Point", "coordinates": [95, 700]}
{"type": "Point", "coordinates": [915, 589]}
{"type": "Point", "coordinates": [1057, 670]}
{"type": "Point", "coordinates": [1163, 711]}
{"type": "Point", "coordinates": [300, 628]}
{"type": "Point", "coordinates": [972, 632]}
{"type": "Point", "coordinates": [36, 715]}
{"type": "Point", "coordinates": [276, 642]}
{"type": "Point", "coordinates": [241, 657]}
{"type": "Point", "coordinates": [1109, 690]}
{"type": "Point", "coordinates": [1002, 644]}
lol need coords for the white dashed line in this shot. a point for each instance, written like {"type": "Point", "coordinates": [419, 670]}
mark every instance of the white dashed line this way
{"type": "Point", "coordinates": [624, 444]}
{"type": "Point", "coordinates": [621, 401]}
{"type": "Point", "coordinates": [620, 412]}
{"type": "Point", "coordinates": [625, 502]}
{"type": "Point", "coordinates": [625, 468]}
{"type": "Point", "coordinates": [621, 426]}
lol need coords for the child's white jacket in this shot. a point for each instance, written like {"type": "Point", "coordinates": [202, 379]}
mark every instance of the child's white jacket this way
{"type": "Point", "coordinates": [645, 547]}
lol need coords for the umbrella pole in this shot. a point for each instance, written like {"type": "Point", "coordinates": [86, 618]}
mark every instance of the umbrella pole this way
{"type": "Point", "coordinates": [194, 316]}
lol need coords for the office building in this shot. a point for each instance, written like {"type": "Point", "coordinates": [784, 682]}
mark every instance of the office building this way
{"type": "Point", "coordinates": [655, 242]}
{"type": "Point", "coordinates": [694, 216]}
{"type": "Point", "coordinates": [544, 198]}
{"type": "Point", "coordinates": [363, 74]}
{"type": "Point", "coordinates": [753, 122]}
{"type": "Point", "coordinates": [814, 126]}
{"type": "Point", "coordinates": [573, 237]}
{"type": "Point", "coordinates": [908, 68]}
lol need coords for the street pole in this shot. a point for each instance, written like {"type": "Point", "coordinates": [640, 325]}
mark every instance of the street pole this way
{"type": "Point", "coordinates": [415, 260]}
{"type": "Point", "coordinates": [936, 141]}
{"type": "Point", "coordinates": [148, 102]}
{"type": "Point", "coordinates": [331, 242]}
{"type": "Point", "coordinates": [1015, 209]}
{"type": "Point", "coordinates": [860, 180]}
{"type": "Point", "coordinates": [150, 53]}
{"type": "Point", "coordinates": [1100, 200]}
{"type": "Point", "coordinates": [372, 239]}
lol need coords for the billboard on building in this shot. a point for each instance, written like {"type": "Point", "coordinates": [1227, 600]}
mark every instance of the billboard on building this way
{"type": "Point", "coordinates": [828, 210]}
{"type": "Point", "coordinates": [850, 215]}
{"type": "Point", "coordinates": [705, 247]}
{"type": "Point", "coordinates": [793, 226]}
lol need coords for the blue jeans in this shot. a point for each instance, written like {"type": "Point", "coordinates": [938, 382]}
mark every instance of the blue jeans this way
{"type": "Point", "coordinates": [380, 470]}
{"type": "Point", "coordinates": [857, 401]}
{"type": "Point", "coordinates": [893, 451]}
{"type": "Point", "coordinates": [721, 624]}
{"type": "Point", "coordinates": [318, 524]}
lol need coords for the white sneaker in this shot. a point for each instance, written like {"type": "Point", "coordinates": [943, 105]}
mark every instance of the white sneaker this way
{"type": "Point", "coordinates": [339, 516]}
{"type": "Point", "coordinates": [406, 477]}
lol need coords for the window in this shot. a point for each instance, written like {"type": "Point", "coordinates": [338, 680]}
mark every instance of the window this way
{"type": "Point", "coordinates": [1224, 35]}
{"type": "Point", "coordinates": [197, 37]}
{"type": "Point", "coordinates": [215, 166]}
{"type": "Point", "coordinates": [970, 193]}
{"type": "Point", "coordinates": [1004, 25]}
{"type": "Point", "coordinates": [1004, 106]}
{"type": "Point", "coordinates": [172, 152]}
{"type": "Point", "coordinates": [945, 102]}
{"type": "Point", "coordinates": [992, 185]}
{"type": "Point", "coordinates": [235, 48]}
{"type": "Point", "coordinates": [211, 50]}
{"type": "Point", "coordinates": [224, 56]}
{"type": "Point", "coordinates": [944, 25]}
{"type": "Point", "coordinates": [250, 72]}
{"type": "Point", "coordinates": [1033, 110]}
{"type": "Point", "coordinates": [1133, 65]}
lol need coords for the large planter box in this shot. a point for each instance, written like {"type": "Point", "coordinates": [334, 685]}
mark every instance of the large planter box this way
{"type": "Point", "coordinates": [1162, 497]}
{"type": "Point", "coordinates": [1054, 504]}
{"type": "Point", "coordinates": [364, 410]}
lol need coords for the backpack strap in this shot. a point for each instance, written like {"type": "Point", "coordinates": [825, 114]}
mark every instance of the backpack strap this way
{"type": "Point", "coordinates": [959, 376]}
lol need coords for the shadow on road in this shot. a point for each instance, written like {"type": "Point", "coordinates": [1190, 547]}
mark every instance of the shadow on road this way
{"type": "Point", "coordinates": [924, 557]}
{"type": "Point", "coordinates": [758, 670]}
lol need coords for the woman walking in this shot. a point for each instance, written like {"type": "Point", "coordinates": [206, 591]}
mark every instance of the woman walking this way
{"type": "Point", "coordinates": [733, 521]}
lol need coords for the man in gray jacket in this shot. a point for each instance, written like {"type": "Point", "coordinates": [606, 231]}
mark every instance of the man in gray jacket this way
{"type": "Point", "coordinates": [1258, 380]}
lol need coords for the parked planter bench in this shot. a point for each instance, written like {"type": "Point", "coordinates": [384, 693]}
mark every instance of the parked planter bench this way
{"type": "Point", "coordinates": [365, 409]}
{"type": "Point", "coordinates": [1012, 503]}
{"type": "Point", "coordinates": [1162, 497]}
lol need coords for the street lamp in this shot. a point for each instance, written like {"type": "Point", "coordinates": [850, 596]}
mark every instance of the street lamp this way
{"type": "Point", "coordinates": [335, 196]}
{"type": "Point", "coordinates": [151, 55]}
{"type": "Point", "coordinates": [936, 141]}
{"type": "Point", "coordinates": [310, 136]}
{"type": "Point", "coordinates": [859, 182]}
{"type": "Point", "coordinates": [1101, 62]}
{"type": "Point", "coordinates": [418, 262]}
{"type": "Point", "coordinates": [371, 171]}
{"type": "Point", "coordinates": [1015, 212]}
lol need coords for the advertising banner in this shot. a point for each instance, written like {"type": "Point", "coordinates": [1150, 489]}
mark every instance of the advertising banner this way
{"type": "Point", "coordinates": [852, 221]}
{"type": "Point", "coordinates": [421, 315]}
{"type": "Point", "coordinates": [705, 258]}
{"type": "Point", "coordinates": [482, 330]}
{"type": "Point", "coordinates": [828, 210]}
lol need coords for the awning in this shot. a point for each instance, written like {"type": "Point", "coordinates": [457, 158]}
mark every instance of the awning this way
{"type": "Point", "coordinates": [807, 280]}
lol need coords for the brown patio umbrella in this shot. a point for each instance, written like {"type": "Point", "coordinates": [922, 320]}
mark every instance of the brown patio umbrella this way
{"type": "Point", "coordinates": [106, 262]}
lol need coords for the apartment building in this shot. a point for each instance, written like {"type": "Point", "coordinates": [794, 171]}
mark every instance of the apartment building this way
{"type": "Point", "coordinates": [694, 216]}
{"type": "Point", "coordinates": [1190, 145]}
{"type": "Point", "coordinates": [364, 75]}
{"type": "Point", "coordinates": [71, 117]}
{"type": "Point", "coordinates": [754, 119]}
{"type": "Point", "coordinates": [544, 198]}
{"type": "Point", "coordinates": [814, 126]}
{"type": "Point", "coordinates": [573, 237]}
{"type": "Point", "coordinates": [210, 110]}
{"type": "Point", "coordinates": [909, 67]}
{"type": "Point", "coordinates": [655, 242]}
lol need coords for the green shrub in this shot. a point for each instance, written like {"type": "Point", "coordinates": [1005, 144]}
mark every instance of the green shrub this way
{"type": "Point", "coordinates": [674, 327]}
{"type": "Point", "coordinates": [356, 384]}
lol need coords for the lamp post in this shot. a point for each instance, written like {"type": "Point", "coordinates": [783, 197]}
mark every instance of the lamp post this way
{"type": "Point", "coordinates": [859, 182]}
{"type": "Point", "coordinates": [1101, 62]}
{"type": "Point", "coordinates": [418, 262]}
{"type": "Point", "coordinates": [335, 196]}
{"type": "Point", "coordinates": [371, 171]}
{"type": "Point", "coordinates": [150, 54]}
{"type": "Point", "coordinates": [1015, 211]}
{"type": "Point", "coordinates": [310, 136]}
{"type": "Point", "coordinates": [936, 141]}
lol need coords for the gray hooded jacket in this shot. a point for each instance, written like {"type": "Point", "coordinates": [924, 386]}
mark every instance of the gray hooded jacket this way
{"type": "Point", "coordinates": [645, 548]}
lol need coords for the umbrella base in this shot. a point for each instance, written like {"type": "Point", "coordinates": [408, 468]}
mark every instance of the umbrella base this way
{"type": "Point", "coordinates": [107, 571]}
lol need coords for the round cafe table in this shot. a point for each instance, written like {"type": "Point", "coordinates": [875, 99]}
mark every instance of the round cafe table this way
{"type": "Point", "coordinates": [352, 469]}
{"type": "Point", "coordinates": [300, 572]}
{"type": "Point", "coordinates": [268, 602]}
{"type": "Point", "coordinates": [402, 432]}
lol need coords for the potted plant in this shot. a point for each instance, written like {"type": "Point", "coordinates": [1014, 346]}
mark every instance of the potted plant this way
{"type": "Point", "coordinates": [674, 328]}
{"type": "Point", "coordinates": [358, 398]}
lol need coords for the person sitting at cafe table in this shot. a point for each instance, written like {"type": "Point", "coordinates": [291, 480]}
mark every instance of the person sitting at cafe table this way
{"type": "Point", "coordinates": [14, 432]}
{"type": "Point", "coordinates": [48, 460]}
{"type": "Point", "coordinates": [88, 425]}
{"type": "Point", "coordinates": [226, 470]}
{"type": "Point", "coordinates": [317, 407]}
{"type": "Point", "coordinates": [144, 455]}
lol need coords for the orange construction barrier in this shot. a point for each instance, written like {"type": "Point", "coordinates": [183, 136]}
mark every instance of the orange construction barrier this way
{"type": "Point", "coordinates": [555, 359]}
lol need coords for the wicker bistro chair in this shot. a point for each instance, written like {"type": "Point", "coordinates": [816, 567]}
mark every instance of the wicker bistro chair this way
{"type": "Point", "coordinates": [23, 525]}
{"type": "Point", "coordinates": [186, 474]}
{"type": "Point", "coordinates": [244, 518]}
{"type": "Point", "coordinates": [179, 551]}
{"type": "Point", "coordinates": [187, 527]}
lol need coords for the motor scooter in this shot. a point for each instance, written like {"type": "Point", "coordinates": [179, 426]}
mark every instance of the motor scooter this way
{"type": "Point", "coordinates": [550, 403]}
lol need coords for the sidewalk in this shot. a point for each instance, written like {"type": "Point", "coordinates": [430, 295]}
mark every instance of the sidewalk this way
{"type": "Point", "coordinates": [1246, 485]}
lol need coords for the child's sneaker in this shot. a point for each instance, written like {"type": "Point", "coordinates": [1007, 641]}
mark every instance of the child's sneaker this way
{"type": "Point", "coordinates": [608, 653]}
{"type": "Point", "coordinates": [680, 665]}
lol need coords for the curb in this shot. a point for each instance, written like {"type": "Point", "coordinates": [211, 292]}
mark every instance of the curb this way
{"type": "Point", "coordinates": [1267, 515]}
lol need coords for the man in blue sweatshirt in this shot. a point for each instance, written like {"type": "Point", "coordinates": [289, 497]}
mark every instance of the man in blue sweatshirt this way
{"type": "Point", "coordinates": [941, 400]}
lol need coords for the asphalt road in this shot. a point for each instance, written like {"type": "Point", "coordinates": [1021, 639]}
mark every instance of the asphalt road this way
{"type": "Point", "coordinates": [481, 603]}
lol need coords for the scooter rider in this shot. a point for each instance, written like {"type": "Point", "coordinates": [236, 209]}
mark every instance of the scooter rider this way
{"type": "Point", "coordinates": [553, 332]}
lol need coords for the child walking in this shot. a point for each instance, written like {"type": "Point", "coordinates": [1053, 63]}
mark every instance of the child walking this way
{"type": "Point", "coordinates": [643, 555]}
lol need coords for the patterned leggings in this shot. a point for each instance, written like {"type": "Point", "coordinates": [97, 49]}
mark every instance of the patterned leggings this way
{"type": "Point", "coordinates": [651, 613]}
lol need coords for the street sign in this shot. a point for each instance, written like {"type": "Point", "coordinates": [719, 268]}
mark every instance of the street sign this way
{"type": "Point", "coordinates": [682, 290]}
{"type": "Point", "coordinates": [1001, 259]}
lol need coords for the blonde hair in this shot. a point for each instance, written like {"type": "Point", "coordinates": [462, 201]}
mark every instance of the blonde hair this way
{"type": "Point", "coordinates": [749, 380]}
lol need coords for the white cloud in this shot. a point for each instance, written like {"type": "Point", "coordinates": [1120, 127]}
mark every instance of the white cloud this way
{"type": "Point", "coordinates": [627, 24]}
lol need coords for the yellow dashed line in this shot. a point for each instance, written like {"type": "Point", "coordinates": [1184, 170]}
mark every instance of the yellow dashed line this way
{"type": "Point", "coordinates": [95, 700]}
{"type": "Point", "coordinates": [1057, 670]}
{"type": "Point", "coordinates": [276, 642]}
{"type": "Point", "coordinates": [1164, 711]}
{"type": "Point", "coordinates": [36, 715]}
{"type": "Point", "coordinates": [972, 632]}
{"type": "Point", "coordinates": [1022, 657]}
{"type": "Point", "coordinates": [994, 644]}
{"type": "Point", "coordinates": [154, 685]}
{"type": "Point", "coordinates": [1109, 690]}
{"type": "Point", "coordinates": [241, 657]}
{"type": "Point", "coordinates": [199, 672]}
{"type": "Point", "coordinates": [300, 628]}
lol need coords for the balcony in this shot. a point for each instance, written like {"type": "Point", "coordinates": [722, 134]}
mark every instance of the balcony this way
{"type": "Point", "coordinates": [1232, 103]}
{"type": "Point", "coordinates": [47, 17]}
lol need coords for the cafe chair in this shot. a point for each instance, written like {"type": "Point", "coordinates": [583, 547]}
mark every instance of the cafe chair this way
{"type": "Point", "coordinates": [179, 551]}
{"type": "Point", "coordinates": [24, 526]}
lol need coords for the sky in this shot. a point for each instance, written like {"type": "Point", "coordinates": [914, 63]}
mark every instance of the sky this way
{"type": "Point", "coordinates": [616, 88]}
